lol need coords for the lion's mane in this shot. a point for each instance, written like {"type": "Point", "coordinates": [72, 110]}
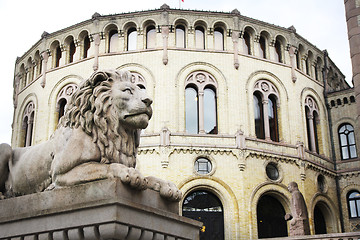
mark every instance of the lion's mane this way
{"type": "Point", "coordinates": [91, 109]}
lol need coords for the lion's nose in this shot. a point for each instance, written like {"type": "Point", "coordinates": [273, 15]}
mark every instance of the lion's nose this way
{"type": "Point", "coordinates": [147, 101]}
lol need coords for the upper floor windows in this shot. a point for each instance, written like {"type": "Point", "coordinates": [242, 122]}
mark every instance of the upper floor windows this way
{"type": "Point", "coordinates": [265, 99]}
{"type": "Point", "coordinates": [312, 124]}
{"type": "Point", "coordinates": [279, 50]}
{"type": "Point", "coordinates": [63, 98]}
{"type": "Point", "coordinates": [131, 39]}
{"type": "Point", "coordinates": [200, 103]}
{"type": "Point", "coordinates": [347, 141]}
{"type": "Point", "coordinates": [219, 38]}
{"type": "Point", "coordinates": [262, 47]}
{"type": "Point", "coordinates": [150, 36]}
{"type": "Point", "coordinates": [113, 40]}
{"type": "Point", "coordinates": [180, 36]}
{"type": "Point", "coordinates": [27, 125]}
{"type": "Point", "coordinates": [247, 43]}
{"type": "Point", "coordinates": [56, 53]}
{"type": "Point", "coordinates": [199, 37]}
{"type": "Point", "coordinates": [353, 200]}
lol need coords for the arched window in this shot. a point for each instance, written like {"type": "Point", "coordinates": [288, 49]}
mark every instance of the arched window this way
{"type": "Point", "coordinates": [113, 40]}
{"type": "Point", "coordinates": [262, 47]}
{"type": "Point", "coordinates": [63, 98]}
{"type": "Point", "coordinates": [219, 38]}
{"type": "Point", "coordinates": [312, 121]}
{"type": "Point", "coordinates": [279, 51]}
{"type": "Point", "coordinates": [199, 37]}
{"type": "Point", "coordinates": [353, 200]}
{"type": "Point", "coordinates": [86, 46]}
{"type": "Point", "coordinates": [201, 103]}
{"type": "Point", "coordinates": [27, 125]}
{"type": "Point", "coordinates": [72, 50]}
{"type": "Point", "coordinates": [270, 218]}
{"type": "Point", "coordinates": [247, 43]}
{"type": "Point", "coordinates": [131, 39]}
{"type": "Point", "coordinates": [180, 36]}
{"type": "Point", "coordinates": [204, 206]}
{"type": "Point", "coordinates": [266, 110]}
{"type": "Point", "coordinates": [57, 54]}
{"type": "Point", "coordinates": [150, 36]}
{"type": "Point", "coordinates": [347, 141]}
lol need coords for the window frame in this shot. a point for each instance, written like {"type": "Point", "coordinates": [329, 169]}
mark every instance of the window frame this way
{"type": "Point", "coordinates": [348, 145]}
{"type": "Point", "coordinates": [356, 202]}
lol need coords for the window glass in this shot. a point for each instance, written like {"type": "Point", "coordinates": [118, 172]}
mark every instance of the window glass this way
{"type": "Point", "coordinates": [347, 141]}
{"type": "Point", "coordinates": [272, 172]}
{"type": "Point", "coordinates": [219, 39]}
{"type": "Point", "coordinates": [191, 110]}
{"type": "Point", "coordinates": [113, 41]}
{"type": "Point", "coordinates": [273, 122]}
{"type": "Point", "coordinates": [132, 39]}
{"type": "Point", "coordinates": [209, 111]}
{"type": "Point", "coordinates": [199, 38]}
{"type": "Point", "coordinates": [180, 36]}
{"type": "Point", "coordinates": [150, 37]}
{"type": "Point", "coordinates": [259, 117]}
{"type": "Point", "coordinates": [203, 166]}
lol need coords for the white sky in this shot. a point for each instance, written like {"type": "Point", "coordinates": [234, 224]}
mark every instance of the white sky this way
{"type": "Point", "coordinates": [321, 22]}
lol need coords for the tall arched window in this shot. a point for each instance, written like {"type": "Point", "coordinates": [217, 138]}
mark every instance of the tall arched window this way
{"type": "Point", "coordinates": [279, 51]}
{"type": "Point", "coordinates": [347, 141]}
{"type": "Point", "coordinates": [28, 125]}
{"type": "Point", "coordinates": [353, 200]}
{"type": "Point", "coordinates": [131, 39]}
{"type": "Point", "coordinates": [180, 36]}
{"type": "Point", "coordinates": [204, 206]}
{"type": "Point", "coordinates": [72, 50]}
{"type": "Point", "coordinates": [150, 36]}
{"type": "Point", "coordinates": [262, 47]}
{"type": "Point", "coordinates": [113, 40]}
{"type": "Point", "coordinates": [56, 53]}
{"type": "Point", "coordinates": [199, 37]}
{"type": "Point", "coordinates": [201, 103]}
{"type": "Point", "coordinates": [266, 110]}
{"type": "Point", "coordinates": [312, 121]}
{"type": "Point", "coordinates": [63, 98]}
{"type": "Point", "coordinates": [86, 46]}
{"type": "Point", "coordinates": [219, 38]}
{"type": "Point", "coordinates": [247, 43]}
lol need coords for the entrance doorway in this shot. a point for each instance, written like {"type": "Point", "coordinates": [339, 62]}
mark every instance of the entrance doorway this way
{"type": "Point", "coordinates": [319, 221]}
{"type": "Point", "coordinates": [270, 218]}
{"type": "Point", "coordinates": [205, 207]}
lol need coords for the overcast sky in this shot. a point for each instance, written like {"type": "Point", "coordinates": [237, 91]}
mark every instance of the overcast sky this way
{"type": "Point", "coordinates": [321, 22]}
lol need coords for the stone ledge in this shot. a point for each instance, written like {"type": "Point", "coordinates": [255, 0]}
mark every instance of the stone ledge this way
{"type": "Point", "coordinates": [104, 209]}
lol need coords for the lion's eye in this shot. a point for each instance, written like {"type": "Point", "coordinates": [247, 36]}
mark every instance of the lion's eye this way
{"type": "Point", "coordinates": [128, 90]}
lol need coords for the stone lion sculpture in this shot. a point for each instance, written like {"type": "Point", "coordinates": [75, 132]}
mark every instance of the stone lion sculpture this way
{"type": "Point", "coordinates": [97, 138]}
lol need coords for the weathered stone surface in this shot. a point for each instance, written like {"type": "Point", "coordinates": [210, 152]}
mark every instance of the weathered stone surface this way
{"type": "Point", "coordinates": [105, 209]}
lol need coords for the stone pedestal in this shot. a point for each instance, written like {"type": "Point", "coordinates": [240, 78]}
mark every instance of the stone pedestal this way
{"type": "Point", "coordinates": [104, 209]}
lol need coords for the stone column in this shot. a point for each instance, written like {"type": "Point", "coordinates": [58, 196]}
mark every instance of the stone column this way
{"type": "Point", "coordinates": [45, 58]}
{"type": "Point", "coordinates": [266, 119]}
{"type": "Point", "coordinates": [292, 52]}
{"type": "Point", "coordinates": [165, 36]}
{"type": "Point", "coordinates": [352, 10]}
{"type": "Point", "coordinates": [16, 89]}
{"type": "Point", "coordinates": [201, 111]}
{"type": "Point", "coordinates": [235, 39]}
{"type": "Point", "coordinates": [312, 133]}
{"type": "Point", "coordinates": [28, 133]}
{"type": "Point", "coordinates": [96, 39]}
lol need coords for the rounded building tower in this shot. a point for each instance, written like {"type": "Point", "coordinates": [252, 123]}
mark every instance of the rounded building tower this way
{"type": "Point", "coordinates": [241, 109]}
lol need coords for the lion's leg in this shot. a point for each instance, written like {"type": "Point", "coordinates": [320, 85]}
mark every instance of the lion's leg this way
{"type": "Point", "coordinates": [93, 171]}
{"type": "Point", "coordinates": [5, 158]}
{"type": "Point", "coordinates": [166, 189]}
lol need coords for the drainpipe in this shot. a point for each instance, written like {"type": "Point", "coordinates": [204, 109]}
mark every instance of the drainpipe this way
{"type": "Point", "coordinates": [333, 155]}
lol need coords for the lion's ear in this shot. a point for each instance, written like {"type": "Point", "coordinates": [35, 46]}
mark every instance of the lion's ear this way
{"type": "Point", "coordinates": [98, 77]}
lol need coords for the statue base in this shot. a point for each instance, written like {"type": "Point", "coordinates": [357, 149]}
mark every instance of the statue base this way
{"type": "Point", "coordinates": [105, 209]}
{"type": "Point", "coordinates": [299, 227]}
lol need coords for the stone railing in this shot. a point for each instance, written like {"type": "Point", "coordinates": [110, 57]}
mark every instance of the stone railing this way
{"type": "Point", "coordinates": [332, 236]}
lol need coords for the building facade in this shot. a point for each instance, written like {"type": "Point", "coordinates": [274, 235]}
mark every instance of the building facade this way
{"type": "Point", "coordinates": [241, 109]}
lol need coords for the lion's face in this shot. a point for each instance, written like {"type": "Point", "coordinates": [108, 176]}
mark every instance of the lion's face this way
{"type": "Point", "coordinates": [132, 103]}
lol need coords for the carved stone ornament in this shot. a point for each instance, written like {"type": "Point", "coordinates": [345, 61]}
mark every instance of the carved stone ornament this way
{"type": "Point", "coordinates": [96, 139]}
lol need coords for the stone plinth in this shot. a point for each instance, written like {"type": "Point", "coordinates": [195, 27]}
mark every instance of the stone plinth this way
{"type": "Point", "coordinates": [104, 209]}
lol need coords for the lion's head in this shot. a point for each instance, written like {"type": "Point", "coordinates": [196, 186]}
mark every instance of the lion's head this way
{"type": "Point", "coordinates": [111, 109]}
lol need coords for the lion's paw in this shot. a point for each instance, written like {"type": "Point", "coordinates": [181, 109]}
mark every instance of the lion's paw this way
{"type": "Point", "coordinates": [165, 188]}
{"type": "Point", "coordinates": [129, 176]}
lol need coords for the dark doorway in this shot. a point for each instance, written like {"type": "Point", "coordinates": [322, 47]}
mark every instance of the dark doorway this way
{"type": "Point", "coordinates": [270, 218]}
{"type": "Point", "coordinates": [205, 207]}
{"type": "Point", "coordinates": [319, 221]}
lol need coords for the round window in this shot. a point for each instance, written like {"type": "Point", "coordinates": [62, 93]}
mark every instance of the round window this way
{"type": "Point", "coordinates": [321, 183]}
{"type": "Point", "coordinates": [203, 166]}
{"type": "Point", "coordinates": [272, 171]}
